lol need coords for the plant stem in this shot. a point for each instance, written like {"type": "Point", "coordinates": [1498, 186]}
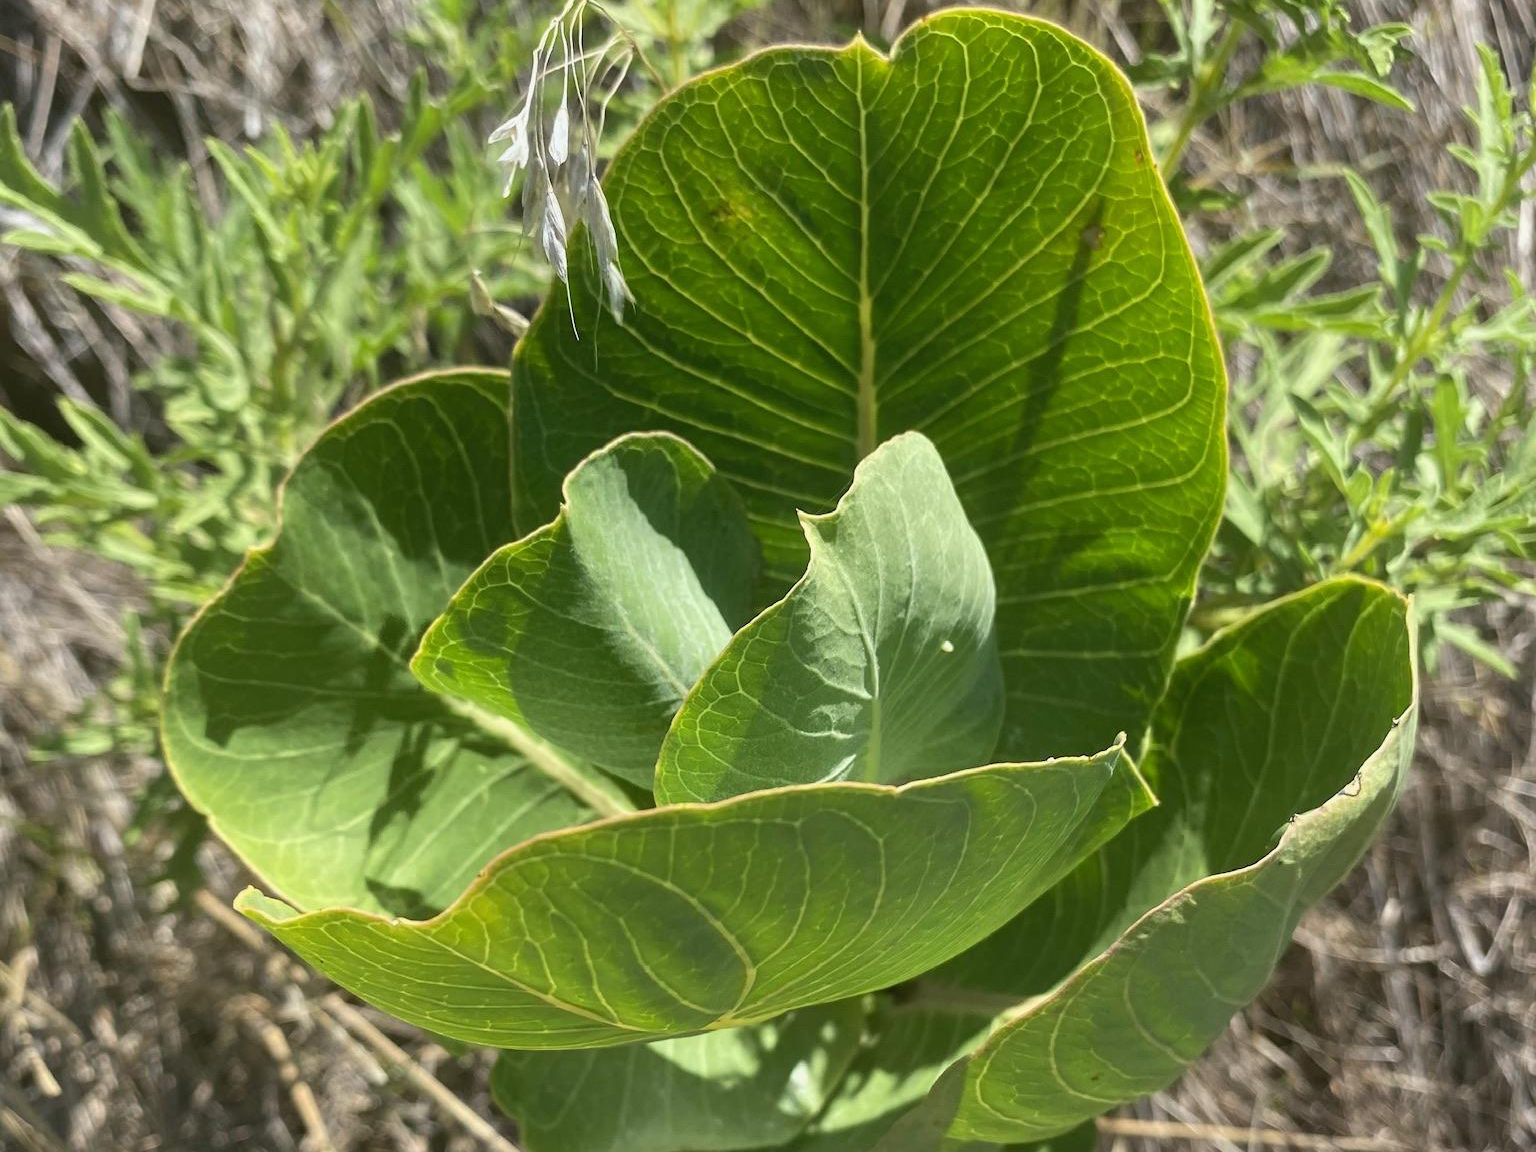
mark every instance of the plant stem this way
{"type": "Point", "coordinates": [634, 46]}
{"type": "Point", "coordinates": [585, 784]}
{"type": "Point", "coordinates": [1421, 340]}
{"type": "Point", "coordinates": [1416, 345]}
{"type": "Point", "coordinates": [1379, 531]}
{"type": "Point", "coordinates": [1206, 80]}
{"type": "Point", "coordinates": [946, 998]}
{"type": "Point", "coordinates": [675, 46]}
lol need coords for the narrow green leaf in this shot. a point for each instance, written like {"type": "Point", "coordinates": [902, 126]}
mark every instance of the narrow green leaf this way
{"type": "Point", "coordinates": [152, 299]}
{"type": "Point", "coordinates": [718, 915]}
{"type": "Point", "coordinates": [881, 663]}
{"type": "Point", "coordinates": [1377, 218]}
{"type": "Point", "coordinates": [37, 451]}
{"type": "Point", "coordinates": [1476, 647]}
{"type": "Point", "coordinates": [100, 215]}
{"type": "Point", "coordinates": [272, 240]}
{"type": "Point", "coordinates": [18, 177]}
{"type": "Point", "coordinates": [1239, 255]}
{"type": "Point", "coordinates": [89, 221]}
{"type": "Point", "coordinates": [62, 242]}
{"type": "Point", "coordinates": [591, 631]}
{"type": "Point", "coordinates": [1362, 85]}
{"type": "Point", "coordinates": [22, 488]}
{"type": "Point", "coordinates": [1282, 280]}
{"type": "Point", "coordinates": [108, 445]}
{"type": "Point", "coordinates": [1447, 410]}
{"type": "Point", "coordinates": [1332, 452]}
{"type": "Point", "coordinates": [1245, 510]}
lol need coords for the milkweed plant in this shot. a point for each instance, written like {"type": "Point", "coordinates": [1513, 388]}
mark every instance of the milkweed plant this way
{"type": "Point", "coordinates": [760, 713]}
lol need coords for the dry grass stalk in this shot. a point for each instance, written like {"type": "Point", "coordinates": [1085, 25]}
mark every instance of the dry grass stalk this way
{"type": "Point", "coordinates": [357, 1026]}
{"type": "Point", "coordinates": [256, 1014]}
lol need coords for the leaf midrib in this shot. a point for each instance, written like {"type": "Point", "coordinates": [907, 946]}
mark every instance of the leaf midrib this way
{"type": "Point", "coordinates": [868, 406]}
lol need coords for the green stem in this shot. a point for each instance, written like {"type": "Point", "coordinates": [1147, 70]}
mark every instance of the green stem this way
{"type": "Point", "coordinates": [1429, 329]}
{"type": "Point", "coordinates": [1206, 80]}
{"type": "Point", "coordinates": [1417, 344]}
{"type": "Point", "coordinates": [634, 46]}
{"type": "Point", "coordinates": [585, 784]}
{"type": "Point", "coordinates": [675, 46]}
{"type": "Point", "coordinates": [1378, 532]}
{"type": "Point", "coordinates": [927, 996]}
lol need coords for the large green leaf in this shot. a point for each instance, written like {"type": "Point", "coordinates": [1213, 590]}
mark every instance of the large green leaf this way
{"type": "Point", "coordinates": [733, 1089]}
{"type": "Point", "coordinates": [910, 1048]}
{"type": "Point", "coordinates": [591, 630]}
{"type": "Point", "coordinates": [695, 917]}
{"type": "Point", "coordinates": [828, 248]}
{"type": "Point", "coordinates": [290, 716]}
{"type": "Point", "coordinates": [1272, 718]}
{"type": "Point", "coordinates": [881, 663]}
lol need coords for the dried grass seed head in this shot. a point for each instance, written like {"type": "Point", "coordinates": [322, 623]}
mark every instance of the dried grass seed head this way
{"type": "Point", "coordinates": [560, 181]}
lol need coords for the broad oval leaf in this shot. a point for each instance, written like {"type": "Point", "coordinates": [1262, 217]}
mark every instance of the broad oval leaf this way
{"type": "Point", "coordinates": [290, 716]}
{"type": "Point", "coordinates": [718, 1091]}
{"type": "Point", "coordinates": [909, 1048]}
{"type": "Point", "coordinates": [828, 247]}
{"type": "Point", "coordinates": [881, 663]}
{"type": "Point", "coordinates": [1273, 717]}
{"type": "Point", "coordinates": [694, 917]}
{"type": "Point", "coordinates": [590, 631]}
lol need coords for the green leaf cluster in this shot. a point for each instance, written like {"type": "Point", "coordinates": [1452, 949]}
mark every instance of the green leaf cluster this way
{"type": "Point", "coordinates": [1299, 42]}
{"type": "Point", "coordinates": [274, 299]}
{"type": "Point", "coordinates": [1386, 429]}
{"type": "Point", "coordinates": [280, 282]}
{"type": "Point", "coordinates": [277, 282]}
{"type": "Point", "coordinates": [749, 716]}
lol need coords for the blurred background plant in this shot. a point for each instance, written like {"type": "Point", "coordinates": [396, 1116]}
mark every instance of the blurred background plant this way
{"type": "Point", "coordinates": [254, 291]}
{"type": "Point", "coordinates": [228, 220]}
{"type": "Point", "coordinates": [1384, 427]}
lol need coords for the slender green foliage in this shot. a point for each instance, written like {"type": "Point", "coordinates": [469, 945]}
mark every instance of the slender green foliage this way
{"type": "Point", "coordinates": [1383, 429]}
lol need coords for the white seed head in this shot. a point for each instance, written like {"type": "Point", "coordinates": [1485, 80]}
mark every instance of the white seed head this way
{"type": "Point", "coordinates": [515, 157]}
{"type": "Point", "coordinates": [618, 291]}
{"type": "Point", "coordinates": [600, 224]}
{"type": "Point", "coordinates": [516, 125]}
{"type": "Point", "coordinates": [561, 183]}
{"type": "Point", "coordinates": [580, 179]}
{"type": "Point", "coordinates": [534, 197]}
{"type": "Point", "coordinates": [509, 320]}
{"type": "Point", "coordinates": [560, 136]}
{"type": "Point", "coordinates": [552, 232]}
